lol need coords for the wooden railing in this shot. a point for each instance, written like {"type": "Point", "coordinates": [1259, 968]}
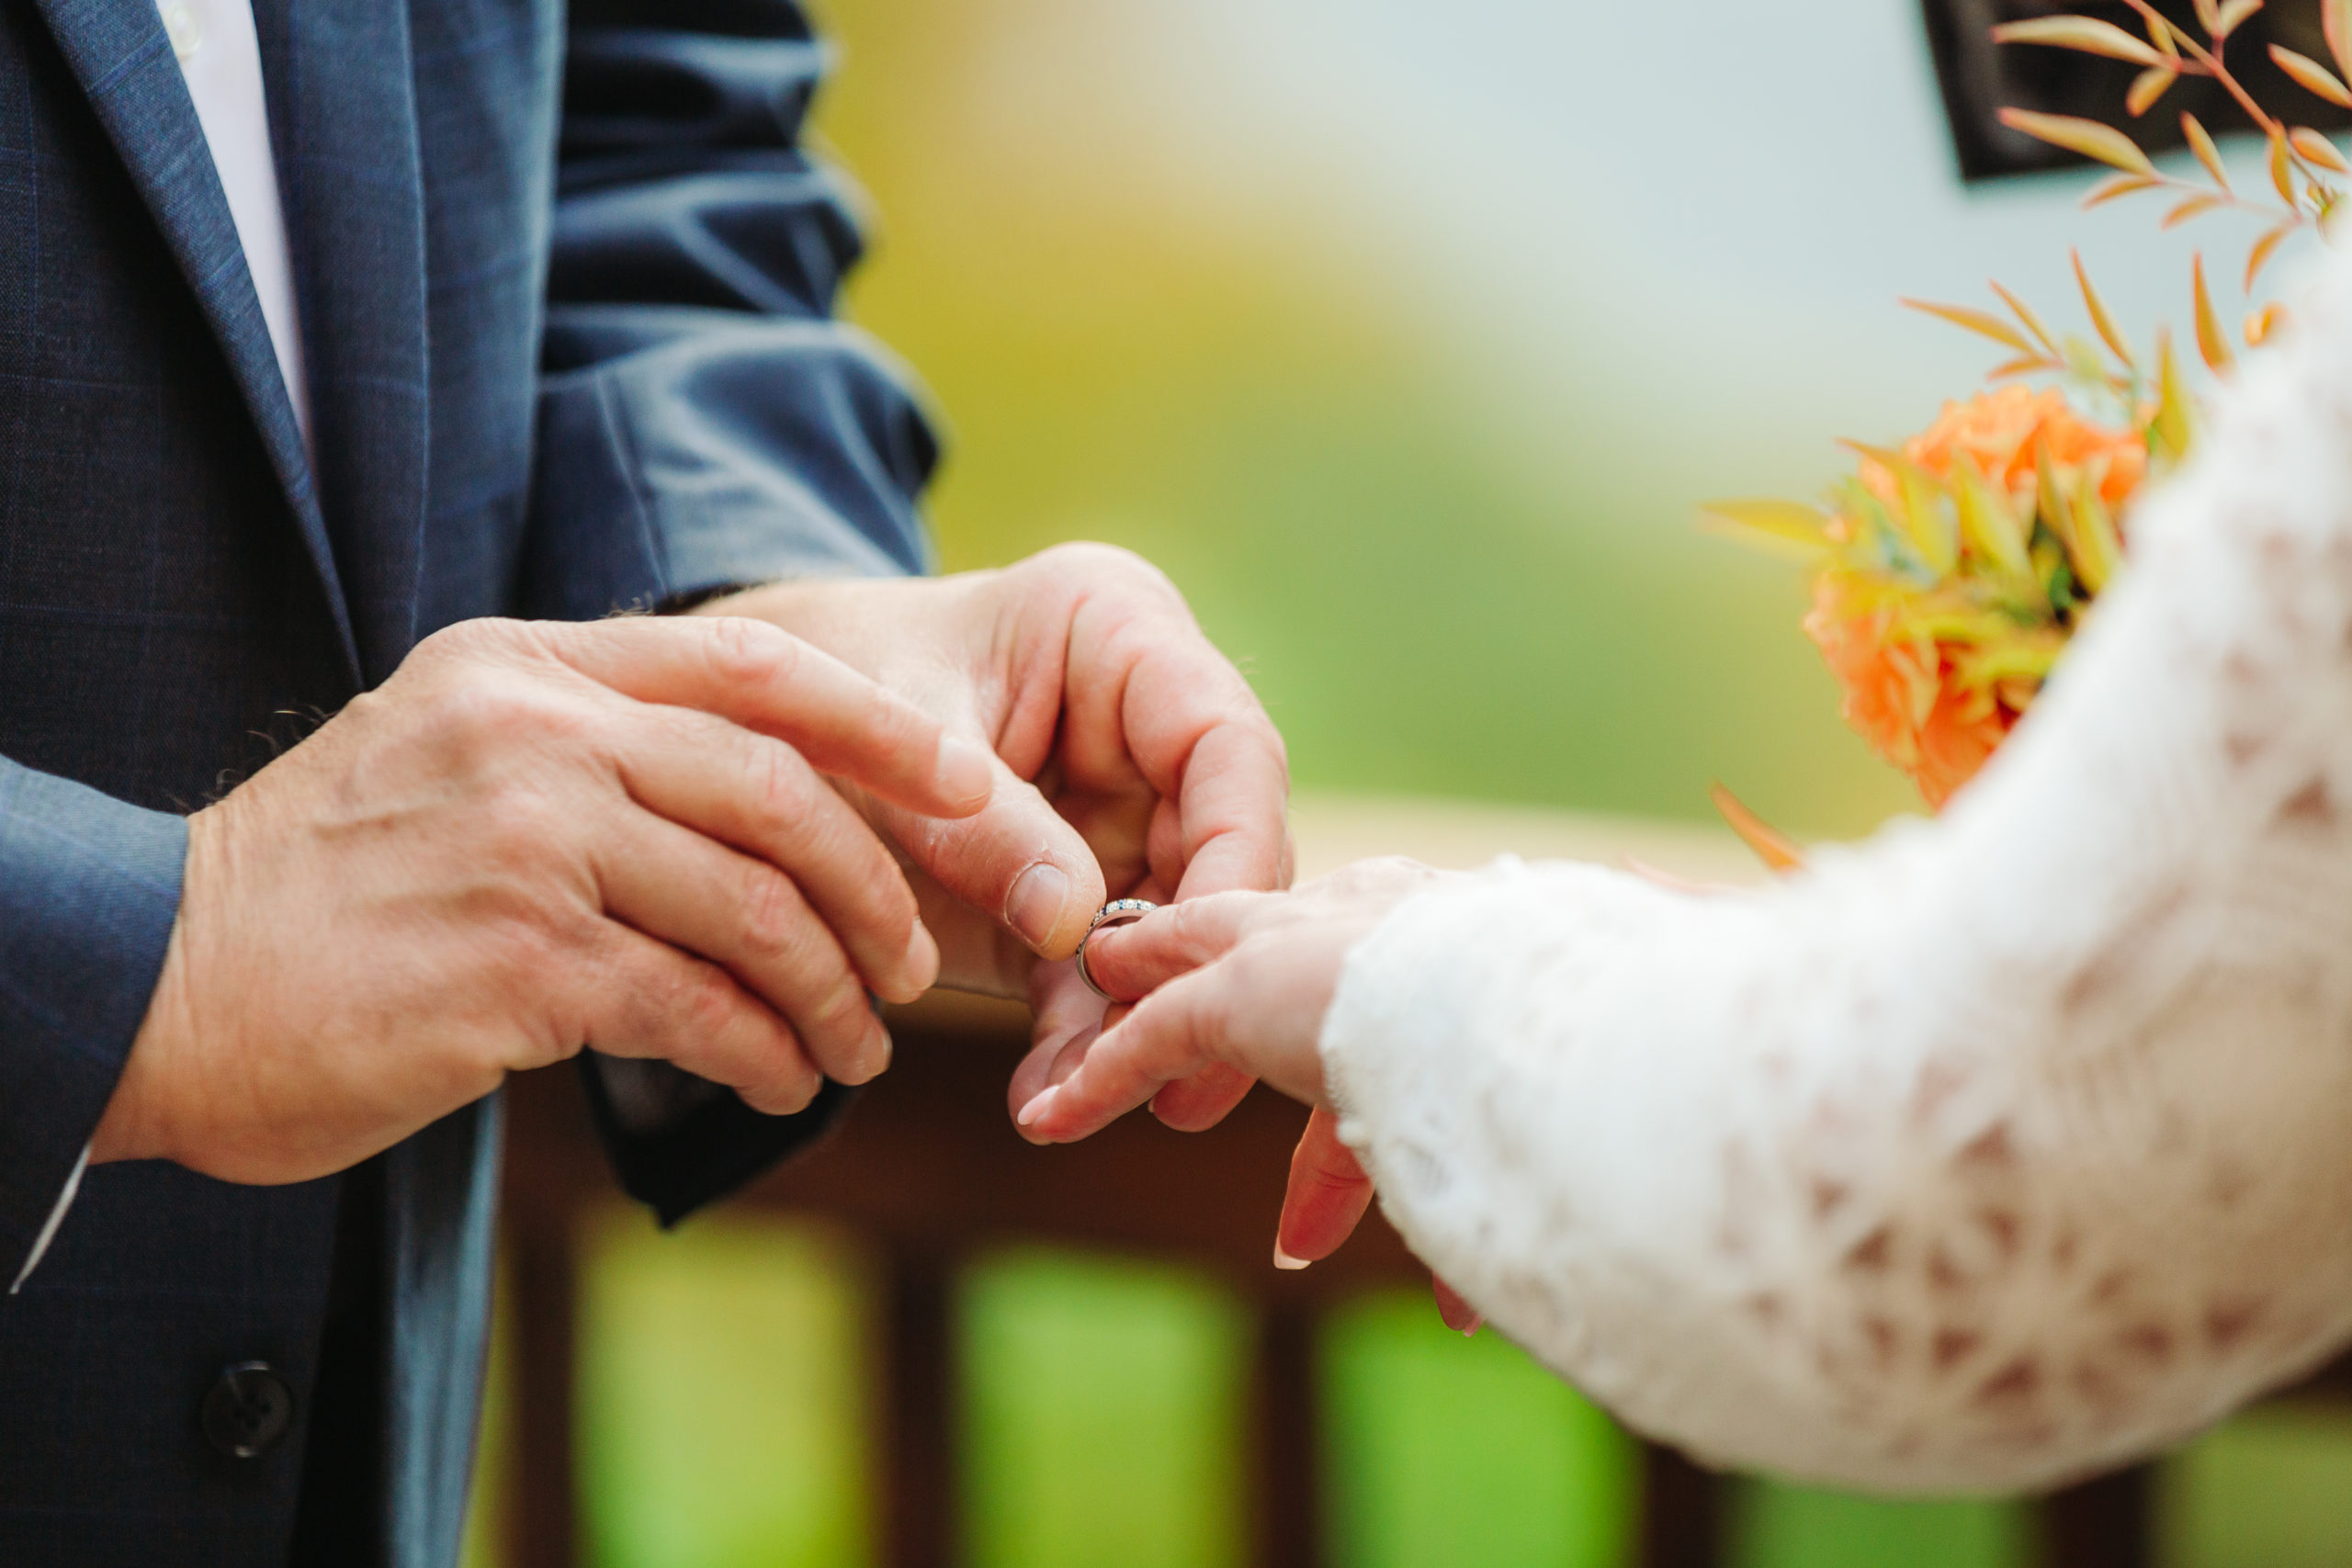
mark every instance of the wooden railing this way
{"type": "Point", "coordinates": [928, 1172]}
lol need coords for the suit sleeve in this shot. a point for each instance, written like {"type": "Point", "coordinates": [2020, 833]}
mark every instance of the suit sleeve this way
{"type": "Point", "coordinates": [89, 888]}
{"type": "Point", "coordinates": [704, 422]}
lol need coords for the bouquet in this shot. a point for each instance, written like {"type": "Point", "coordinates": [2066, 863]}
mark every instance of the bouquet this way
{"type": "Point", "coordinates": [1950, 571]}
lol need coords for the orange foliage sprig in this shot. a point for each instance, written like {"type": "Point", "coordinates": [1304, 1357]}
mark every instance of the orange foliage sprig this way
{"type": "Point", "coordinates": [1950, 573]}
{"type": "Point", "coordinates": [2302, 163]}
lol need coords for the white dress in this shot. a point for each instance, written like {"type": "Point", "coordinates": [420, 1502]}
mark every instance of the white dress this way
{"type": "Point", "coordinates": [1994, 1151]}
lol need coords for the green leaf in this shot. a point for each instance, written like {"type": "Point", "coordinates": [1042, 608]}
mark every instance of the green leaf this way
{"type": "Point", "coordinates": [1988, 522]}
{"type": "Point", "coordinates": [1892, 549]}
{"type": "Point", "coordinates": [1921, 515]}
{"type": "Point", "coordinates": [1785, 528]}
{"type": "Point", "coordinates": [2098, 549]}
{"type": "Point", "coordinates": [2173, 428]}
{"type": "Point", "coordinates": [2082, 358]}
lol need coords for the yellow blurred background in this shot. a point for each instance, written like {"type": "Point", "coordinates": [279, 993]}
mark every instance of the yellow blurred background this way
{"type": "Point", "coordinates": [1407, 339]}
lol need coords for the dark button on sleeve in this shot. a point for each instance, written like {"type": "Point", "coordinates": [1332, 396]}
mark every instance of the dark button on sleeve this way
{"type": "Point", "coordinates": [248, 1410]}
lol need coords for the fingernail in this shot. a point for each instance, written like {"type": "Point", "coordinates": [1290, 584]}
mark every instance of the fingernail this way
{"type": "Point", "coordinates": [1036, 906]}
{"type": "Point", "coordinates": [919, 965]}
{"type": "Point", "coordinates": [965, 772]}
{"type": "Point", "coordinates": [1035, 1110]}
{"type": "Point", "coordinates": [1470, 1329]}
{"type": "Point", "coordinates": [1286, 1261]}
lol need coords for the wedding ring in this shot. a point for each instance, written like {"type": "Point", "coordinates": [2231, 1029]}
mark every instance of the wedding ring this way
{"type": "Point", "coordinates": [1116, 913]}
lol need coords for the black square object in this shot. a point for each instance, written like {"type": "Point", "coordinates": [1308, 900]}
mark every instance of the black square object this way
{"type": "Point", "coordinates": [1980, 78]}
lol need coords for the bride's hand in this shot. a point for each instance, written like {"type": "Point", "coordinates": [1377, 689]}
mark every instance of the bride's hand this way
{"type": "Point", "coordinates": [1240, 981]}
{"type": "Point", "coordinates": [1237, 980]}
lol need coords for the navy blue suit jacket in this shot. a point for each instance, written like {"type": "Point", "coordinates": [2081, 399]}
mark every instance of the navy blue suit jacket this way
{"type": "Point", "coordinates": [565, 293]}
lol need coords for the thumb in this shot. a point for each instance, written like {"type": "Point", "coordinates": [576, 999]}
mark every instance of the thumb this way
{"type": "Point", "coordinates": [1016, 859]}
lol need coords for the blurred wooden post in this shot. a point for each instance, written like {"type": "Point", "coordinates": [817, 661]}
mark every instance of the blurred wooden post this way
{"type": "Point", "coordinates": [543, 1277]}
{"type": "Point", "coordinates": [2106, 1522]}
{"type": "Point", "coordinates": [1683, 1512]}
{"type": "Point", "coordinates": [1286, 1480]}
{"type": "Point", "coordinates": [916, 1485]}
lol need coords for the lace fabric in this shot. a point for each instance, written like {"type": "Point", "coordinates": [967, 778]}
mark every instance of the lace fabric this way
{"type": "Point", "coordinates": [1996, 1150]}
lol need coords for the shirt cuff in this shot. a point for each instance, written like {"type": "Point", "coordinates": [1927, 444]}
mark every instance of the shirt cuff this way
{"type": "Point", "coordinates": [56, 1218]}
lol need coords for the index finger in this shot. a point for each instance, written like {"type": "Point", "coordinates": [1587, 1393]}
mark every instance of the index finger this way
{"type": "Point", "coordinates": [1169, 1037]}
{"type": "Point", "coordinates": [761, 677]}
{"type": "Point", "coordinates": [1133, 960]}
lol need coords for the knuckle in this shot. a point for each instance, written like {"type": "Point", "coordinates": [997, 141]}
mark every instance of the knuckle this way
{"type": "Point", "coordinates": [897, 727]}
{"type": "Point", "coordinates": [779, 783]}
{"type": "Point", "coordinates": [842, 1011]}
{"type": "Point", "coordinates": [479, 717]}
{"type": "Point", "coordinates": [709, 1001]}
{"type": "Point", "coordinates": [1094, 562]}
{"type": "Point", "coordinates": [465, 641]}
{"type": "Point", "coordinates": [776, 916]}
{"type": "Point", "coordinates": [746, 652]}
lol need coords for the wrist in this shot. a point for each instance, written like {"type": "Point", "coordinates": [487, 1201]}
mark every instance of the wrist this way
{"type": "Point", "coordinates": [138, 1122]}
{"type": "Point", "coordinates": [135, 1125]}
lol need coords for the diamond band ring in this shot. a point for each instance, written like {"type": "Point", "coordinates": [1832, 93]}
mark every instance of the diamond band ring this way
{"type": "Point", "coordinates": [1116, 913]}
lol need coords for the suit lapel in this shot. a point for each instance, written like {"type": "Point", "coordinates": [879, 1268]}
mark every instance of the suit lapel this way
{"type": "Point", "coordinates": [118, 52]}
{"type": "Point", "coordinates": [343, 111]}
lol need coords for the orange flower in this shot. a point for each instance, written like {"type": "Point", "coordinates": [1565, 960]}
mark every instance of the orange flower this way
{"type": "Point", "coordinates": [2000, 430]}
{"type": "Point", "coordinates": [1940, 609]}
{"type": "Point", "coordinates": [1900, 690]}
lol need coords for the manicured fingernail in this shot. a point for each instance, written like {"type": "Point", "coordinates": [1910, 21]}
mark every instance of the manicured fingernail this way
{"type": "Point", "coordinates": [964, 771]}
{"type": "Point", "coordinates": [1284, 1260]}
{"type": "Point", "coordinates": [1470, 1329]}
{"type": "Point", "coordinates": [1035, 1110]}
{"type": "Point", "coordinates": [1036, 906]}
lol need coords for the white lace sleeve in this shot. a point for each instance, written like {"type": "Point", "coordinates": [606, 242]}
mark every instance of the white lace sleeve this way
{"type": "Point", "coordinates": [1996, 1150]}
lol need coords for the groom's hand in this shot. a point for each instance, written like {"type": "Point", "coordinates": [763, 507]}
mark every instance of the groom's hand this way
{"type": "Point", "coordinates": [531, 838]}
{"type": "Point", "coordinates": [1134, 762]}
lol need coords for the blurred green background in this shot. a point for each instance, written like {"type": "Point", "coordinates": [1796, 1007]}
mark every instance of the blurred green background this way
{"type": "Point", "coordinates": [1407, 338]}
